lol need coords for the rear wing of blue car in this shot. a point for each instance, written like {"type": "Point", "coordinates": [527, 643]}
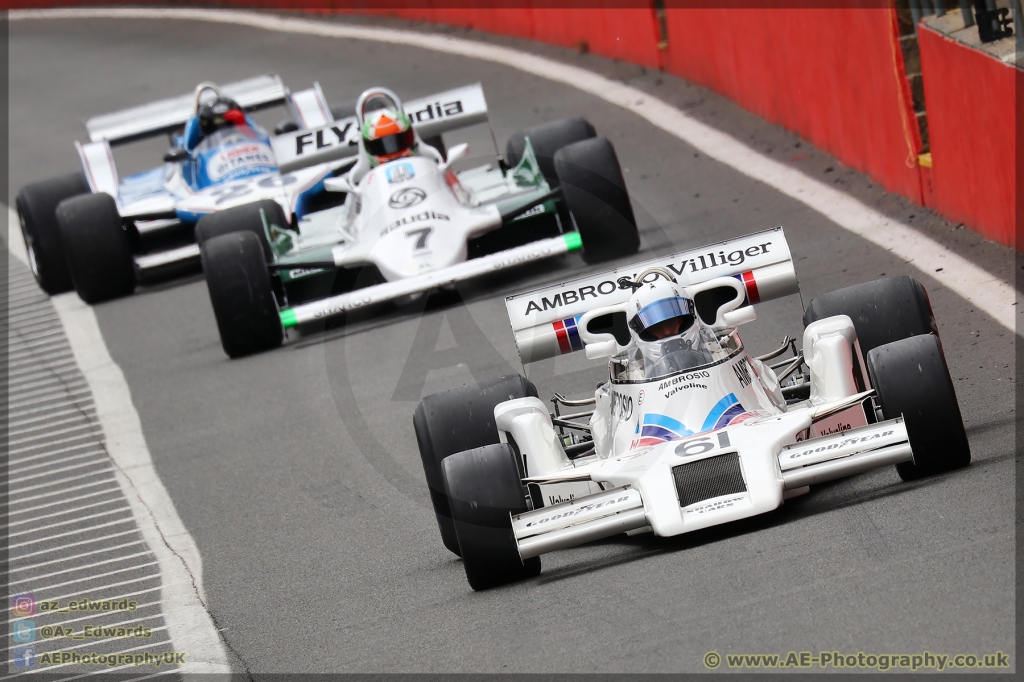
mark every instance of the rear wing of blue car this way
{"type": "Point", "coordinates": [166, 115]}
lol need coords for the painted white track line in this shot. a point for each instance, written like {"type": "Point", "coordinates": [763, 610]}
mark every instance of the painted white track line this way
{"type": "Point", "coordinates": [183, 598]}
{"type": "Point", "coordinates": [983, 290]}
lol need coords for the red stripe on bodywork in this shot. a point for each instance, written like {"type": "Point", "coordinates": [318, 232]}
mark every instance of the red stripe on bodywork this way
{"type": "Point", "coordinates": [752, 295]}
{"type": "Point", "coordinates": [563, 338]}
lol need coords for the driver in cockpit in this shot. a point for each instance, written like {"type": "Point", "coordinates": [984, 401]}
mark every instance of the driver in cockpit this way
{"type": "Point", "coordinates": [387, 135]}
{"type": "Point", "coordinates": [218, 114]}
{"type": "Point", "coordinates": [668, 334]}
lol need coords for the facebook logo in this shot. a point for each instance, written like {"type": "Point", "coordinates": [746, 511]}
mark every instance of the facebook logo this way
{"type": "Point", "coordinates": [24, 656]}
{"type": "Point", "coordinates": [24, 631]}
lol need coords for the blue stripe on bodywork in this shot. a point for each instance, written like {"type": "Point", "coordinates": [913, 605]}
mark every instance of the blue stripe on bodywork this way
{"type": "Point", "coordinates": [734, 411]}
{"type": "Point", "coordinates": [717, 411]}
{"type": "Point", "coordinates": [574, 333]}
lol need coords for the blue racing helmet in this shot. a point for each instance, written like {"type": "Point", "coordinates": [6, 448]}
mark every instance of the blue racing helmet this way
{"type": "Point", "coordinates": [661, 311]}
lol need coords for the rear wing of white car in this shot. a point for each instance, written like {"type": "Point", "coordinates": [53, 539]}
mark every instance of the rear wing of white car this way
{"type": "Point", "coordinates": [432, 115]}
{"type": "Point", "coordinates": [165, 115]}
{"type": "Point", "coordinates": [544, 320]}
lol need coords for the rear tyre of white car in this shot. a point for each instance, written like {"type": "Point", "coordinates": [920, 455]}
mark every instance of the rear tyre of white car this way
{"type": "Point", "coordinates": [596, 195]}
{"type": "Point", "coordinates": [247, 218]}
{"type": "Point", "coordinates": [546, 139]}
{"type": "Point", "coordinates": [37, 211]}
{"type": "Point", "coordinates": [912, 380]}
{"type": "Point", "coordinates": [241, 294]}
{"type": "Point", "coordinates": [98, 247]}
{"type": "Point", "coordinates": [485, 489]}
{"type": "Point", "coordinates": [455, 420]}
{"type": "Point", "coordinates": [882, 311]}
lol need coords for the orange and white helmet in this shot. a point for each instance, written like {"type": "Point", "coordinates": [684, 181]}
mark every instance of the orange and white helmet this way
{"type": "Point", "coordinates": [387, 135]}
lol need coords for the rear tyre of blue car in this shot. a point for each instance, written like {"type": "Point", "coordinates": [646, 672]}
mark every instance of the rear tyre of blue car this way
{"type": "Point", "coordinates": [484, 489]}
{"type": "Point", "coordinates": [912, 381]}
{"type": "Point", "coordinates": [37, 212]}
{"type": "Point", "coordinates": [242, 294]}
{"type": "Point", "coordinates": [595, 193]}
{"type": "Point", "coordinates": [98, 246]}
{"type": "Point", "coordinates": [455, 420]}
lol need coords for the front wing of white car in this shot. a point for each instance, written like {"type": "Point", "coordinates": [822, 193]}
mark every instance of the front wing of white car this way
{"type": "Point", "coordinates": [702, 481]}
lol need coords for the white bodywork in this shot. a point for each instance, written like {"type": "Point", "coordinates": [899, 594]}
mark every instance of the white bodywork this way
{"type": "Point", "coordinates": [412, 217]}
{"type": "Point", "coordinates": [722, 429]}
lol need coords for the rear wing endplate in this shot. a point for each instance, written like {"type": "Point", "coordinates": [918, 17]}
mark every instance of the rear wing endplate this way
{"type": "Point", "coordinates": [166, 115]}
{"type": "Point", "coordinates": [544, 320]}
{"type": "Point", "coordinates": [433, 115]}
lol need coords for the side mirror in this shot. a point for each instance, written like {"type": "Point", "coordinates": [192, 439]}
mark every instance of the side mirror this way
{"type": "Point", "coordinates": [735, 318]}
{"type": "Point", "coordinates": [601, 349]}
{"type": "Point", "coordinates": [176, 155]}
{"type": "Point", "coordinates": [339, 184]}
{"type": "Point", "coordinates": [285, 126]}
{"type": "Point", "coordinates": [459, 151]}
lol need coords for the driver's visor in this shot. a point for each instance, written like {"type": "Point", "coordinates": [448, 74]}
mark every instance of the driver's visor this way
{"type": "Point", "coordinates": [390, 144]}
{"type": "Point", "coordinates": [655, 313]}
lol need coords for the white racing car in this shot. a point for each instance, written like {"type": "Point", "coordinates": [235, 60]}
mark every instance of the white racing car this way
{"type": "Point", "coordinates": [409, 223]}
{"type": "Point", "coordinates": [689, 431]}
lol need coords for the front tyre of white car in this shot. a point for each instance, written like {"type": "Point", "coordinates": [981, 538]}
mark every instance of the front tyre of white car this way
{"type": "Point", "coordinates": [912, 381]}
{"type": "Point", "coordinates": [484, 490]}
{"type": "Point", "coordinates": [595, 193]}
{"type": "Point", "coordinates": [459, 419]}
{"type": "Point", "coordinates": [241, 293]}
{"type": "Point", "coordinates": [98, 247]}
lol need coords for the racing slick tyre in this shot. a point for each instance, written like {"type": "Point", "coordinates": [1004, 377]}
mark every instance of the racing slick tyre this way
{"type": "Point", "coordinates": [596, 195]}
{"type": "Point", "coordinates": [912, 380]}
{"type": "Point", "coordinates": [98, 247]}
{"type": "Point", "coordinates": [484, 487]}
{"type": "Point", "coordinates": [245, 218]}
{"type": "Point", "coordinates": [546, 139]}
{"type": "Point", "coordinates": [37, 206]}
{"type": "Point", "coordinates": [241, 293]}
{"type": "Point", "coordinates": [456, 420]}
{"type": "Point", "coordinates": [882, 311]}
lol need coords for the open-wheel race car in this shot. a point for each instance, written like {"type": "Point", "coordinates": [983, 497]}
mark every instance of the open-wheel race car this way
{"type": "Point", "coordinates": [410, 224]}
{"type": "Point", "coordinates": [689, 431]}
{"type": "Point", "coordinates": [100, 232]}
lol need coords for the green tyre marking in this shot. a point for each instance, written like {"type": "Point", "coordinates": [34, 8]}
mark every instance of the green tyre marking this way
{"type": "Point", "coordinates": [289, 318]}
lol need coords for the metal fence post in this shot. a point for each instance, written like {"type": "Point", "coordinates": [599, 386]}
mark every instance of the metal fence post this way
{"type": "Point", "coordinates": [915, 13]}
{"type": "Point", "coordinates": [967, 12]}
{"type": "Point", "coordinates": [1015, 7]}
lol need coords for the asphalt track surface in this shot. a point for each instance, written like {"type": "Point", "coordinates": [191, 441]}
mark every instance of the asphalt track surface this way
{"type": "Point", "coordinates": [297, 473]}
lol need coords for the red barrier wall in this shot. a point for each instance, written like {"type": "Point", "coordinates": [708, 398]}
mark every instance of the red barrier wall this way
{"type": "Point", "coordinates": [835, 76]}
{"type": "Point", "coordinates": [970, 100]}
{"type": "Point", "coordinates": [620, 29]}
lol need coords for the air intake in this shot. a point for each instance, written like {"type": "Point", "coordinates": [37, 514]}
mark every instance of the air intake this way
{"type": "Point", "coordinates": [707, 478]}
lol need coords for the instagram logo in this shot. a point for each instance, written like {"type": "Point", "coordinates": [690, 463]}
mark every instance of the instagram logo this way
{"type": "Point", "coordinates": [23, 605]}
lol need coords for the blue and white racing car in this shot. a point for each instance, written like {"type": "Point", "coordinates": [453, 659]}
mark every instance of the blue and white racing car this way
{"type": "Point", "coordinates": [100, 233]}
